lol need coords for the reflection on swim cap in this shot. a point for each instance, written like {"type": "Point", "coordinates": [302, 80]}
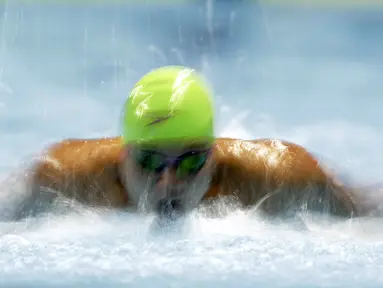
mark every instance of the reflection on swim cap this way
{"type": "Point", "coordinates": [169, 103]}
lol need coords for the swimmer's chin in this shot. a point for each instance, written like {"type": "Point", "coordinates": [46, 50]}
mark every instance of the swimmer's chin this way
{"type": "Point", "coordinates": [169, 211]}
{"type": "Point", "coordinates": [167, 225]}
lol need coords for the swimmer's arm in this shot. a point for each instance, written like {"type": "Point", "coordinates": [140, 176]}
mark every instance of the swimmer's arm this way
{"type": "Point", "coordinates": [352, 200]}
{"type": "Point", "coordinates": [41, 189]}
{"type": "Point", "coordinates": [368, 199]}
{"type": "Point", "coordinates": [58, 172]}
{"type": "Point", "coordinates": [357, 200]}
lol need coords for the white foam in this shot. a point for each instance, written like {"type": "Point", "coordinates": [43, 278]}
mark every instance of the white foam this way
{"type": "Point", "coordinates": [298, 80]}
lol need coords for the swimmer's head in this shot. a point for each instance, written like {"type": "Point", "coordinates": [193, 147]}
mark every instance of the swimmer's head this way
{"type": "Point", "coordinates": [168, 133]}
{"type": "Point", "coordinates": [169, 104]}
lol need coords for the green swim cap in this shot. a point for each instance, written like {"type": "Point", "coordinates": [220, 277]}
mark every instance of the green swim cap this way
{"type": "Point", "coordinates": [169, 103]}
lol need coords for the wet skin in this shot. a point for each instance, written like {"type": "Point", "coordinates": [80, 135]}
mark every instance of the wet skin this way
{"type": "Point", "coordinates": [274, 176]}
{"type": "Point", "coordinates": [168, 178]}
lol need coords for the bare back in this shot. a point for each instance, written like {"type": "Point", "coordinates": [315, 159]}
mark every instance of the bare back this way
{"type": "Point", "coordinates": [279, 175]}
{"type": "Point", "coordinates": [84, 170]}
{"type": "Point", "coordinates": [276, 173]}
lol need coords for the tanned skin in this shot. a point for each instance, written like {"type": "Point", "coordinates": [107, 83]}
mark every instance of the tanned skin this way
{"type": "Point", "coordinates": [272, 175]}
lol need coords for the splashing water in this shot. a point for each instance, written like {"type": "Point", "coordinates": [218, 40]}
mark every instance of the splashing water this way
{"type": "Point", "coordinates": [309, 75]}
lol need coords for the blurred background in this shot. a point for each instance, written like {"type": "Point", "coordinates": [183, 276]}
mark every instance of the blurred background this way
{"type": "Point", "coordinates": [305, 71]}
{"type": "Point", "coordinates": [308, 71]}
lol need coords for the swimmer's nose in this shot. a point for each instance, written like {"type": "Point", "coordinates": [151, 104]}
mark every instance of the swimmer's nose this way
{"type": "Point", "coordinates": [167, 178]}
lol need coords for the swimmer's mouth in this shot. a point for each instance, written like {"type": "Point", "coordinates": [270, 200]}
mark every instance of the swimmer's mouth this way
{"type": "Point", "coordinates": [170, 209]}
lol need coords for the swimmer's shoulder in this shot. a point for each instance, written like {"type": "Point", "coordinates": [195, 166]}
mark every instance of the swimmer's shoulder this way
{"type": "Point", "coordinates": [81, 155]}
{"type": "Point", "coordinates": [85, 169]}
{"type": "Point", "coordinates": [266, 155]}
{"type": "Point", "coordinates": [256, 168]}
{"type": "Point", "coordinates": [258, 163]}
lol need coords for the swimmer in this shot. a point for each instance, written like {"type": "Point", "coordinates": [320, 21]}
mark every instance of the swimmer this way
{"type": "Point", "coordinates": [167, 160]}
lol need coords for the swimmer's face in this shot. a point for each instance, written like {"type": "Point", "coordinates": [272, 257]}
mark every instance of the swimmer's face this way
{"type": "Point", "coordinates": [168, 179]}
